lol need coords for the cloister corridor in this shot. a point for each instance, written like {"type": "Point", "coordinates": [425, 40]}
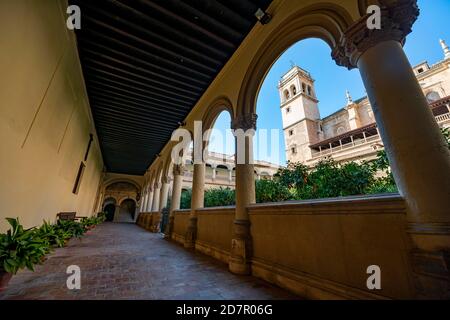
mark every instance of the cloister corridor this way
{"type": "Point", "coordinates": [123, 261]}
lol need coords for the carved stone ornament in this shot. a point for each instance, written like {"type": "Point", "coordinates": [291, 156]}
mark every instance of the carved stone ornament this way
{"type": "Point", "coordinates": [178, 170]}
{"type": "Point", "coordinates": [396, 22]}
{"type": "Point", "coordinates": [245, 122]}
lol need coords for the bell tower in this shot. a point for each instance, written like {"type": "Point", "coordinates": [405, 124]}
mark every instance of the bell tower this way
{"type": "Point", "coordinates": [300, 113]}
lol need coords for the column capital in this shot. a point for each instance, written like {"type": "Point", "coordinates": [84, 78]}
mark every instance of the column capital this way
{"type": "Point", "coordinates": [244, 121]}
{"type": "Point", "coordinates": [157, 185]}
{"type": "Point", "coordinates": [396, 22]}
{"type": "Point", "coordinates": [178, 170]}
{"type": "Point", "coordinates": [166, 180]}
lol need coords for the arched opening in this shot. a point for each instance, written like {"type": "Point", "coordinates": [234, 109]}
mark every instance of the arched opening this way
{"type": "Point", "coordinates": [127, 211]}
{"type": "Point", "coordinates": [313, 132]}
{"type": "Point", "coordinates": [220, 150]}
{"type": "Point", "coordinates": [433, 96]}
{"type": "Point", "coordinates": [109, 209]}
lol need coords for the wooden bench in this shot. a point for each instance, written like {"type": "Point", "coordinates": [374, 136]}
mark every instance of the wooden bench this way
{"type": "Point", "coordinates": [72, 216]}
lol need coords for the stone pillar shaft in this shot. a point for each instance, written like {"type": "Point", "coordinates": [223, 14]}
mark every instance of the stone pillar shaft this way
{"type": "Point", "coordinates": [164, 195]}
{"type": "Point", "coordinates": [241, 244]}
{"type": "Point", "coordinates": [197, 201]}
{"type": "Point", "coordinates": [156, 197]}
{"type": "Point", "coordinates": [176, 198]}
{"type": "Point", "coordinates": [417, 151]}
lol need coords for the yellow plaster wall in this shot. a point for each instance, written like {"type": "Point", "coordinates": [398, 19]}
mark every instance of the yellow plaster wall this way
{"type": "Point", "coordinates": [45, 118]}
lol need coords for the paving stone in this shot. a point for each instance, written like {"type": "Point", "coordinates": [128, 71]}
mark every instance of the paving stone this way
{"type": "Point", "coordinates": [123, 261]}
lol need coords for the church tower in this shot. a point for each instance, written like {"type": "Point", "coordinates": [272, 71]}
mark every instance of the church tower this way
{"type": "Point", "coordinates": [300, 114]}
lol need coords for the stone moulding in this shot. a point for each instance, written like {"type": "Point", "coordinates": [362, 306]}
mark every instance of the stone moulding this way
{"type": "Point", "coordinates": [307, 285]}
{"type": "Point", "coordinates": [379, 204]}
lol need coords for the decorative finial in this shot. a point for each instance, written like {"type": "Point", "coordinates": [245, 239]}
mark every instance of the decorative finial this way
{"type": "Point", "coordinates": [292, 63]}
{"type": "Point", "coordinates": [349, 98]}
{"type": "Point", "coordinates": [445, 48]}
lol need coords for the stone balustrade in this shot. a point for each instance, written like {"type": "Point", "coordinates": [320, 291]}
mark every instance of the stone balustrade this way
{"type": "Point", "coordinates": [318, 248]}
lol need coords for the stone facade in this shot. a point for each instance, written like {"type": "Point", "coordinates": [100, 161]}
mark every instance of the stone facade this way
{"type": "Point", "coordinates": [220, 171]}
{"type": "Point", "coordinates": [349, 133]}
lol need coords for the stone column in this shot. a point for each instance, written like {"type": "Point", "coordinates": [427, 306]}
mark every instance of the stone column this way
{"type": "Point", "coordinates": [178, 172]}
{"type": "Point", "coordinates": [144, 202]}
{"type": "Point", "coordinates": [197, 201]}
{"type": "Point", "coordinates": [164, 193]}
{"type": "Point", "coordinates": [214, 173]}
{"type": "Point", "coordinates": [241, 245]}
{"type": "Point", "coordinates": [156, 196]}
{"type": "Point", "coordinates": [230, 174]}
{"type": "Point", "coordinates": [417, 151]}
{"type": "Point", "coordinates": [148, 207]}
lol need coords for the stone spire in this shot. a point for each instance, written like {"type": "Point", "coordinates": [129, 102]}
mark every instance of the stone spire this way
{"type": "Point", "coordinates": [349, 98]}
{"type": "Point", "coordinates": [445, 48]}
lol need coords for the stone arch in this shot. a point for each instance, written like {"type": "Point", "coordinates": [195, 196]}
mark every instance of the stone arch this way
{"type": "Point", "coordinates": [325, 21]}
{"type": "Point", "coordinates": [127, 210]}
{"type": "Point", "coordinates": [211, 114]}
{"type": "Point", "coordinates": [219, 105]}
{"type": "Point", "coordinates": [112, 181]}
{"type": "Point", "coordinates": [293, 90]}
{"type": "Point", "coordinates": [433, 95]}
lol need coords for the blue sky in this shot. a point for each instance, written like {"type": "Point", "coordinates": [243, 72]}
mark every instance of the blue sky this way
{"type": "Point", "coordinates": [331, 81]}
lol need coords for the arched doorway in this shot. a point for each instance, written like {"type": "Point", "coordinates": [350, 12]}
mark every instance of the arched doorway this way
{"type": "Point", "coordinates": [109, 207]}
{"type": "Point", "coordinates": [109, 210]}
{"type": "Point", "coordinates": [127, 211]}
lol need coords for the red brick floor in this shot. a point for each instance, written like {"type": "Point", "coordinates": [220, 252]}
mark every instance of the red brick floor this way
{"type": "Point", "coordinates": [123, 261]}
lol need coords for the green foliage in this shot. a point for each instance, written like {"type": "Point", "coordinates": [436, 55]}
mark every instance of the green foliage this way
{"type": "Point", "coordinates": [55, 237]}
{"type": "Point", "coordinates": [89, 222]}
{"type": "Point", "coordinates": [272, 191]}
{"type": "Point", "coordinates": [219, 197]}
{"type": "Point", "coordinates": [185, 201]}
{"type": "Point", "coordinates": [327, 179]}
{"type": "Point", "coordinates": [21, 248]}
{"type": "Point", "coordinates": [71, 228]}
{"type": "Point", "coordinates": [446, 133]}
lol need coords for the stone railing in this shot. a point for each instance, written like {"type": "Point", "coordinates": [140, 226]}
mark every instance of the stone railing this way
{"type": "Point", "coordinates": [319, 249]}
{"type": "Point", "coordinates": [215, 227]}
{"type": "Point", "coordinates": [322, 248]}
{"type": "Point", "coordinates": [347, 146]}
{"type": "Point", "coordinates": [443, 117]}
{"type": "Point", "coordinates": [180, 224]}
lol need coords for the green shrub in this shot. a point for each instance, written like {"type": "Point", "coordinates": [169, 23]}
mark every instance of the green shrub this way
{"type": "Point", "coordinates": [55, 237]}
{"type": "Point", "coordinates": [272, 191]}
{"type": "Point", "coordinates": [219, 197]}
{"type": "Point", "coordinates": [185, 201]}
{"type": "Point", "coordinates": [21, 248]}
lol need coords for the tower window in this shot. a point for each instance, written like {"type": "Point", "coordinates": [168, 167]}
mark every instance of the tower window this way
{"type": "Point", "coordinates": [309, 91]}
{"type": "Point", "coordinates": [288, 109]}
{"type": "Point", "coordinates": [303, 88]}
{"type": "Point", "coordinates": [294, 150]}
{"type": "Point", "coordinates": [420, 70]}
{"type": "Point", "coordinates": [286, 94]}
{"type": "Point", "coordinates": [294, 90]}
{"type": "Point", "coordinates": [291, 132]}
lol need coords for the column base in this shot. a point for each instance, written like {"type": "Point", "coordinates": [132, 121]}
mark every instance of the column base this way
{"type": "Point", "coordinates": [241, 248]}
{"type": "Point", "coordinates": [169, 228]}
{"type": "Point", "coordinates": [191, 234]}
{"type": "Point", "coordinates": [430, 259]}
